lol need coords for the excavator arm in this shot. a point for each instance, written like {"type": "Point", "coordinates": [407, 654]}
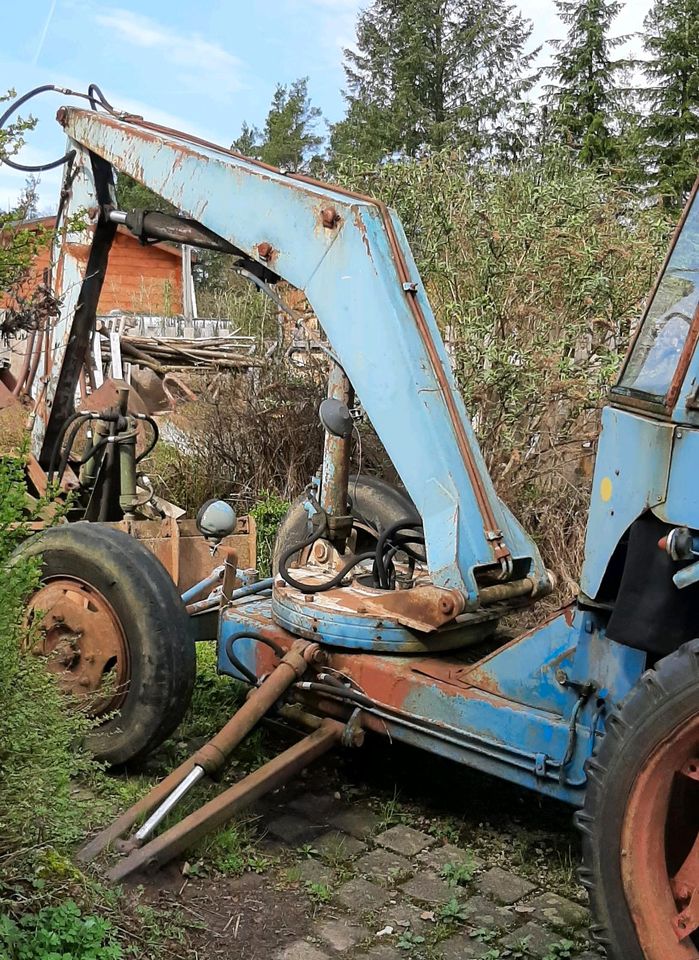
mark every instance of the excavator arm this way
{"type": "Point", "coordinates": [349, 255]}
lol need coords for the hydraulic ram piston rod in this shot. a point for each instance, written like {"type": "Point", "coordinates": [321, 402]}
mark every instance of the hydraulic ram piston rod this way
{"type": "Point", "coordinates": [211, 757]}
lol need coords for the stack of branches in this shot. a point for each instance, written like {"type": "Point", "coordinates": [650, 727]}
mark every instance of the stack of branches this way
{"type": "Point", "coordinates": [164, 355]}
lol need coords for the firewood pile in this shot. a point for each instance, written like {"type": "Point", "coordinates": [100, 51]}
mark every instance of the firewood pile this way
{"type": "Point", "coordinates": [164, 355]}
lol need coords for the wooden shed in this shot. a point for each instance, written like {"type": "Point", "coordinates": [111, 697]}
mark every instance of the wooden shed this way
{"type": "Point", "coordinates": [141, 279]}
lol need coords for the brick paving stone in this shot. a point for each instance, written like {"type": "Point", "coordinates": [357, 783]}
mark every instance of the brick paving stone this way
{"type": "Point", "coordinates": [292, 829]}
{"type": "Point", "coordinates": [536, 941]}
{"type": "Point", "coordinates": [312, 871]}
{"type": "Point", "coordinates": [338, 847]}
{"type": "Point", "coordinates": [463, 947]}
{"type": "Point", "coordinates": [405, 840]}
{"type": "Point", "coordinates": [503, 886]}
{"type": "Point", "coordinates": [481, 912]}
{"type": "Point", "coordinates": [301, 950]}
{"type": "Point", "coordinates": [428, 888]}
{"type": "Point", "coordinates": [341, 935]}
{"type": "Point", "coordinates": [402, 917]}
{"type": "Point", "coordinates": [437, 858]}
{"type": "Point", "coordinates": [361, 896]}
{"type": "Point", "coordinates": [558, 912]}
{"type": "Point", "coordinates": [384, 866]}
{"type": "Point", "coordinates": [360, 822]}
{"type": "Point", "coordinates": [318, 807]}
{"type": "Point", "coordinates": [384, 952]}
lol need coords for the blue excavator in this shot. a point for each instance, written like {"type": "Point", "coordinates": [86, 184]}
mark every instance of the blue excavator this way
{"type": "Point", "coordinates": [384, 609]}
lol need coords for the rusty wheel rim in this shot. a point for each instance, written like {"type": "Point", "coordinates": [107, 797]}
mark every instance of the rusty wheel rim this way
{"type": "Point", "coordinates": [660, 848]}
{"type": "Point", "coordinates": [74, 628]}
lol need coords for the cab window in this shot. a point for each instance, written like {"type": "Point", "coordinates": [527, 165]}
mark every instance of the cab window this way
{"type": "Point", "coordinates": [653, 361]}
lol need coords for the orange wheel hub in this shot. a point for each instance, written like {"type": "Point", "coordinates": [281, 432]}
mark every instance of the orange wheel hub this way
{"type": "Point", "coordinates": [660, 849]}
{"type": "Point", "coordinates": [78, 633]}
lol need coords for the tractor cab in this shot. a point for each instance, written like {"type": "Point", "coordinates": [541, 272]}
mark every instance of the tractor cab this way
{"type": "Point", "coordinates": [660, 374]}
{"type": "Point", "coordinates": [643, 528]}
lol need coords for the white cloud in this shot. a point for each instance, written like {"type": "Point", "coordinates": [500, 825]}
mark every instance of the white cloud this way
{"type": "Point", "coordinates": [208, 60]}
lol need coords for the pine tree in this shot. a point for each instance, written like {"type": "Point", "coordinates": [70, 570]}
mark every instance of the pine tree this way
{"type": "Point", "coordinates": [583, 91]}
{"type": "Point", "coordinates": [288, 139]}
{"type": "Point", "coordinates": [432, 73]}
{"type": "Point", "coordinates": [672, 127]}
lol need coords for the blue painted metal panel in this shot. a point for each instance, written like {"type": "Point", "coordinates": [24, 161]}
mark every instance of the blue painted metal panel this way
{"type": "Point", "coordinates": [631, 476]}
{"type": "Point", "coordinates": [350, 276]}
{"type": "Point", "coordinates": [681, 506]}
{"type": "Point", "coordinates": [511, 714]}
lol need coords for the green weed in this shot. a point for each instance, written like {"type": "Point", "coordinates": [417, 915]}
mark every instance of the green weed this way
{"type": "Point", "coordinates": [58, 933]}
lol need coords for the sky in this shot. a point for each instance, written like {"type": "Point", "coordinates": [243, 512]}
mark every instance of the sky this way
{"type": "Point", "coordinates": [201, 67]}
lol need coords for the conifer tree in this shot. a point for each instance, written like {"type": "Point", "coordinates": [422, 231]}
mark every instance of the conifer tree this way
{"type": "Point", "coordinates": [583, 93]}
{"type": "Point", "coordinates": [288, 138]}
{"type": "Point", "coordinates": [432, 73]}
{"type": "Point", "coordinates": [672, 127]}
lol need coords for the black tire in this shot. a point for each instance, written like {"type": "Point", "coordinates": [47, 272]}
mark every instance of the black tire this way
{"type": "Point", "coordinates": [161, 648]}
{"type": "Point", "coordinates": [375, 501]}
{"type": "Point", "coordinates": [665, 699]}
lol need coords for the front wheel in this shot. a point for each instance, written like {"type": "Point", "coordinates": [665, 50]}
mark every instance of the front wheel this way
{"type": "Point", "coordinates": [110, 623]}
{"type": "Point", "coordinates": [640, 821]}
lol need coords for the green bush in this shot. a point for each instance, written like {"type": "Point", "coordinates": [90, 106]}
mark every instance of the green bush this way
{"type": "Point", "coordinates": [268, 513]}
{"type": "Point", "coordinates": [537, 275]}
{"type": "Point", "coordinates": [40, 740]}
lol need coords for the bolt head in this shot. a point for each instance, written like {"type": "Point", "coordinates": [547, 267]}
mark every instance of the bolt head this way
{"type": "Point", "coordinates": [264, 251]}
{"type": "Point", "coordinates": [329, 217]}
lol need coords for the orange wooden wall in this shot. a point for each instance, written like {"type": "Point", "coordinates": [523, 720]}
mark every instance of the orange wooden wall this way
{"type": "Point", "coordinates": [140, 279]}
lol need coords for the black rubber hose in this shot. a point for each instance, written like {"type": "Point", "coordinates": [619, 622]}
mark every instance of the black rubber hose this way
{"type": "Point", "coordinates": [329, 584]}
{"type": "Point", "coordinates": [92, 450]}
{"type": "Point", "coordinates": [156, 436]}
{"type": "Point", "coordinates": [70, 429]}
{"type": "Point", "coordinates": [95, 96]}
{"type": "Point", "coordinates": [240, 667]}
{"type": "Point", "coordinates": [386, 535]}
{"type": "Point", "coordinates": [25, 167]}
{"type": "Point", "coordinates": [59, 443]}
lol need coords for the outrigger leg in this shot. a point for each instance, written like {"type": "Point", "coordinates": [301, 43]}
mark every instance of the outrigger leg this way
{"type": "Point", "coordinates": [209, 760]}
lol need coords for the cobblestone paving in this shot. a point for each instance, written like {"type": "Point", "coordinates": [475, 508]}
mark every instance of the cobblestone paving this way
{"type": "Point", "coordinates": [382, 890]}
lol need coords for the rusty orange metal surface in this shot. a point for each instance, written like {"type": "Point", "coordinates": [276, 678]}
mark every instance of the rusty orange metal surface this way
{"type": "Point", "coordinates": [218, 811]}
{"type": "Point", "coordinates": [664, 904]}
{"type": "Point", "coordinates": [211, 758]}
{"type": "Point", "coordinates": [183, 551]}
{"type": "Point", "coordinates": [75, 628]}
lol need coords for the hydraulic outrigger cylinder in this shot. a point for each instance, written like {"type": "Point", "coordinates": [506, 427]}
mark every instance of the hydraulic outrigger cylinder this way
{"type": "Point", "coordinates": [209, 760]}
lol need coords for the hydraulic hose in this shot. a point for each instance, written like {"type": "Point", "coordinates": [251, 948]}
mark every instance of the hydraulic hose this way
{"type": "Point", "coordinates": [94, 95]}
{"type": "Point", "coordinates": [57, 447]}
{"type": "Point", "coordinates": [237, 663]}
{"type": "Point", "coordinates": [156, 436]}
{"type": "Point", "coordinates": [37, 167]}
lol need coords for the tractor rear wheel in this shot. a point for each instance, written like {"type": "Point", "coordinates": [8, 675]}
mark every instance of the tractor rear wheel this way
{"type": "Point", "coordinates": [375, 505]}
{"type": "Point", "coordinates": [109, 622]}
{"type": "Point", "coordinates": [640, 821]}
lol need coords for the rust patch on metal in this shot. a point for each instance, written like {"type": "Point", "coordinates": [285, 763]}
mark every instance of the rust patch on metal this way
{"type": "Point", "coordinates": [664, 908]}
{"type": "Point", "coordinates": [76, 629]}
{"type": "Point", "coordinates": [265, 251]}
{"type": "Point", "coordinates": [329, 217]}
{"type": "Point", "coordinates": [424, 608]}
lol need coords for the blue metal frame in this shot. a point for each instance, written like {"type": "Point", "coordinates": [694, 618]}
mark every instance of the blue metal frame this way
{"type": "Point", "coordinates": [350, 275]}
{"type": "Point", "coordinates": [516, 714]}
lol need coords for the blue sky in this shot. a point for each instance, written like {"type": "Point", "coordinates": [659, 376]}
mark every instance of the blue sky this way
{"type": "Point", "coordinates": [203, 67]}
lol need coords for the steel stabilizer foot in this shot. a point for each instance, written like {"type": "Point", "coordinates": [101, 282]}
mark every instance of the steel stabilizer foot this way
{"type": "Point", "coordinates": [212, 757]}
{"type": "Point", "coordinates": [216, 812]}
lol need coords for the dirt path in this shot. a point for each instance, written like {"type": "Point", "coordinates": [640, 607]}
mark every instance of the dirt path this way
{"type": "Point", "coordinates": [384, 853]}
